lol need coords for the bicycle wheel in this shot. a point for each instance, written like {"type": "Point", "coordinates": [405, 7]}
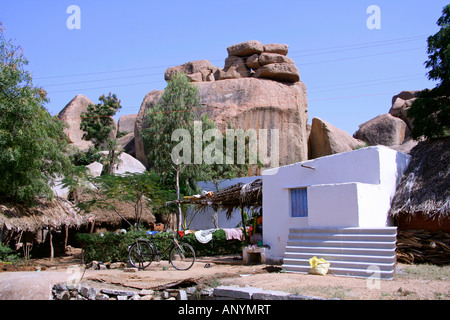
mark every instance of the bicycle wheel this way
{"type": "Point", "coordinates": [182, 256]}
{"type": "Point", "coordinates": [140, 254]}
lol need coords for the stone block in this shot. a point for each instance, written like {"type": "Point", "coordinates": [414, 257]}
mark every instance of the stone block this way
{"type": "Point", "coordinates": [232, 292]}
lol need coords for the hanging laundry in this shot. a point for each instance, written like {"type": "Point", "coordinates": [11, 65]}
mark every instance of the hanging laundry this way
{"type": "Point", "coordinates": [204, 236]}
{"type": "Point", "coordinates": [234, 234]}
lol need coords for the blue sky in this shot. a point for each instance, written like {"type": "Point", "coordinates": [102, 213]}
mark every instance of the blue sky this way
{"type": "Point", "coordinates": [351, 72]}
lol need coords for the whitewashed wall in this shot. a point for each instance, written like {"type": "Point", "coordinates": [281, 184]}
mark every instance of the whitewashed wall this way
{"type": "Point", "coordinates": [352, 189]}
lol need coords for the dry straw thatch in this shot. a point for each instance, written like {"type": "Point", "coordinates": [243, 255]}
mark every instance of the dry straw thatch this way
{"type": "Point", "coordinates": [112, 215]}
{"type": "Point", "coordinates": [248, 195]}
{"type": "Point", "coordinates": [425, 187]}
{"type": "Point", "coordinates": [46, 213]}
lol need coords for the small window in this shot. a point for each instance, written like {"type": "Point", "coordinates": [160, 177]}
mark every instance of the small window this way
{"type": "Point", "coordinates": [299, 202]}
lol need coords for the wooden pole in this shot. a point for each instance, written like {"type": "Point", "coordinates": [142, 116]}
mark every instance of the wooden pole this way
{"type": "Point", "coordinates": [51, 243]}
{"type": "Point", "coordinates": [92, 226]}
{"type": "Point", "coordinates": [243, 225]}
{"type": "Point", "coordinates": [66, 237]}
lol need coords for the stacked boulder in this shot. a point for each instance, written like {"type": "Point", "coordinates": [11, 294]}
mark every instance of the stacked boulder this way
{"type": "Point", "coordinates": [246, 59]}
{"type": "Point", "coordinates": [258, 88]}
{"type": "Point", "coordinates": [391, 129]}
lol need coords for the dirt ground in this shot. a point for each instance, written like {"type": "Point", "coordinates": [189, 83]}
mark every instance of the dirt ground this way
{"type": "Point", "coordinates": [406, 285]}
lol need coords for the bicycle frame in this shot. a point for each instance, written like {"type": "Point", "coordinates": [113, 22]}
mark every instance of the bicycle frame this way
{"type": "Point", "coordinates": [146, 248]}
{"type": "Point", "coordinates": [155, 247]}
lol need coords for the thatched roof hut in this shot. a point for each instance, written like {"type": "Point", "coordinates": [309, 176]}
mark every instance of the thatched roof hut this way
{"type": "Point", "coordinates": [53, 213]}
{"type": "Point", "coordinates": [422, 200]}
{"type": "Point", "coordinates": [113, 214]}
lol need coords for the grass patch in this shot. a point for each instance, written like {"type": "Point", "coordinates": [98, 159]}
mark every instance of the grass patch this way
{"type": "Point", "coordinates": [328, 292]}
{"type": "Point", "coordinates": [425, 272]}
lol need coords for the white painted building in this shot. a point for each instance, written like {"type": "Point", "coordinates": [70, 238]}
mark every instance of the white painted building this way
{"type": "Point", "coordinates": [323, 202]}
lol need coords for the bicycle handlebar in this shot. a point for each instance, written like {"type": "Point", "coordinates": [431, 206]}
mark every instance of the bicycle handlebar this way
{"type": "Point", "coordinates": [151, 233]}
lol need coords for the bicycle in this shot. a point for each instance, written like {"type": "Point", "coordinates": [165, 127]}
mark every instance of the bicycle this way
{"type": "Point", "coordinates": [142, 252]}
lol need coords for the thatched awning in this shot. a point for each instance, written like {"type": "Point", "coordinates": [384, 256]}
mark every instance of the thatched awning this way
{"type": "Point", "coordinates": [113, 214]}
{"type": "Point", "coordinates": [425, 187]}
{"type": "Point", "coordinates": [241, 195]}
{"type": "Point", "coordinates": [46, 213]}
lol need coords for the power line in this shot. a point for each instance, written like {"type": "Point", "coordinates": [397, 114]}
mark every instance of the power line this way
{"type": "Point", "coordinates": [100, 72]}
{"type": "Point", "coordinates": [348, 47]}
{"type": "Point", "coordinates": [361, 56]}
{"type": "Point", "coordinates": [373, 80]}
{"type": "Point", "coordinates": [113, 86]}
{"type": "Point", "coordinates": [343, 87]}
{"type": "Point", "coordinates": [351, 97]}
{"type": "Point", "coordinates": [108, 79]}
{"type": "Point", "coordinates": [367, 44]}
{"type": "Point", "coordinates": [304, 64]}
{"type": "Point", "coordinates": [355, 48]}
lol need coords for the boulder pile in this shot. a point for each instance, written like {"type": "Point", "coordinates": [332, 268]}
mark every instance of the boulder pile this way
{"type": "Point", "coordinates": [259, 87]}
{"type": "Point", "coordinates": [246, 59]}
{"type": "Point", "coordinates": [391, 129]}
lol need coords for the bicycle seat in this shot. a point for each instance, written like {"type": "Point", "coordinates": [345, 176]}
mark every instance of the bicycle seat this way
{"type": "Point", "coordinates": [152, 232]}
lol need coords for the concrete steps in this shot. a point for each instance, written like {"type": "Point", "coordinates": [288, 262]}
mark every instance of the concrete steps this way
{"type": "Point", "coordinates": [356, 252]}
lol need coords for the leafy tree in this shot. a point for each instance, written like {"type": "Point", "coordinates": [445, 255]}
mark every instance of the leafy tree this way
{"type": "Point", "coordinates": [97, 123]}
{"type": "Point", "coordinates": [138, 189]}
{"type": "Point", "coordinates": [32, 142]}
{"type": "Point", "coordinates": [218, 173]}
{"type": "Point", "coordinates": [177, 110]}
{"type": "Point", "coordinates": [431, 110]}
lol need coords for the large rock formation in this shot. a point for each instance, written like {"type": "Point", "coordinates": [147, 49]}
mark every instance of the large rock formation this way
{"type": "Point", "coordinates": [126, 123]}
{"type": "Point", "coordinates": [126, 163]}
{"type": "Point", "coordinates": [258, 88]}
{"type": "Point", "coordinates": [150, 100]}
{"type": "Point", "coordinates": [325, 139]}
{"type": "Point", "coordinates": [400, 106]}
{"type": "Point", "coordinates": [246, 59]}
{"type": "Point", "coordinates": [197, 71]}
{"type": "Point", "coordinates": [392, 129]}
{"type": "Point", "coordinates": [384, 129]}
{"type": "Point", "coordinates": [250, 103]}
{"type": "Point", "coordinates": [71, 115]}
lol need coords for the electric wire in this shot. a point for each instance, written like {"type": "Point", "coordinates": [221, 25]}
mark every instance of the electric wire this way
{"type": "Point", "coordinates": [343, 47]}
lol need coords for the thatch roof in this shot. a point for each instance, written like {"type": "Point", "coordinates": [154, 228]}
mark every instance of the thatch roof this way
{"type": "Point", "coordinates": [248, 195]}
{"type": "Point", "coordinates": [113, 216]}
{"type": "Point", "coordinates": [46, 213]}
{"type": "Point", "coordinates": [425, 187]}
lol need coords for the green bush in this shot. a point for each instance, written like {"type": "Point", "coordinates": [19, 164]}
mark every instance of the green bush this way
{"type": "Point", "coordinates": [111, 247]}
{"type": "Point", "coordinates": [7, 254]}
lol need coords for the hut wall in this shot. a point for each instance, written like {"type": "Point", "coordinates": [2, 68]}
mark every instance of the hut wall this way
{"type": "Point", "coordinates": [352, 189]}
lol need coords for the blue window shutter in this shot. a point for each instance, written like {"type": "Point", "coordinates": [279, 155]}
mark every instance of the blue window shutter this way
{"type": "Point", "coordinates": [299, 202]}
